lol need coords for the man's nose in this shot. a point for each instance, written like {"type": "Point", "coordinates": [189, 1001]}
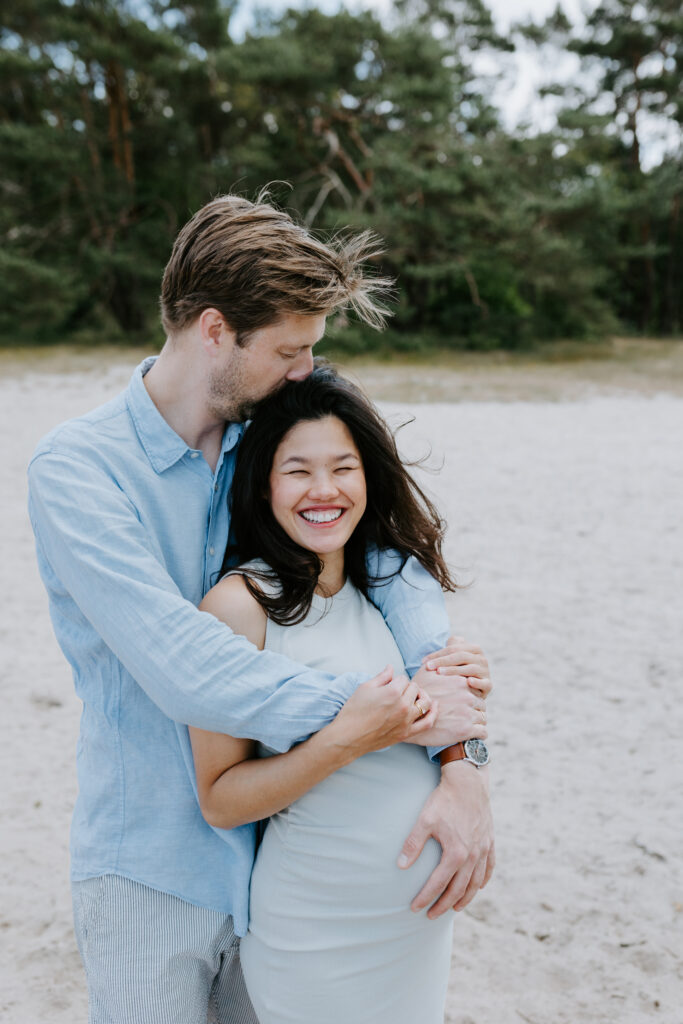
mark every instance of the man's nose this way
{"type": "Point", "coordinates": [303, 367]}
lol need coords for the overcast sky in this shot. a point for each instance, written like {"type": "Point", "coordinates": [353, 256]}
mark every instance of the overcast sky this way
{"type": "Point", "coordinates": [523, 72]}
{"type": "Point", "coordinates": [505, 11]}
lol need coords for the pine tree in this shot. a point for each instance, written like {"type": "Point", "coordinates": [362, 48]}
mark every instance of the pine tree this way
{"type": "Point", "coordinates": [631, 82]}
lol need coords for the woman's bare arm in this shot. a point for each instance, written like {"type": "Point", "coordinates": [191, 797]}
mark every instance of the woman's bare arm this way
{"type": "Point", "coordinates": [234, 786]}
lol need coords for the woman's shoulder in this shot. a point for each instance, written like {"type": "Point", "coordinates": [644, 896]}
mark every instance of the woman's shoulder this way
{"type": "Point", "coordinates": [260, 573]}
{"type": "Point", "coordinates": [231, 601]}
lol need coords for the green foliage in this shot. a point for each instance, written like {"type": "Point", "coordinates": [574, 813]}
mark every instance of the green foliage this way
{"type": "Point", "coordinates": [119, 119]}
{"type": "Point", "coordinates": [629, 220]}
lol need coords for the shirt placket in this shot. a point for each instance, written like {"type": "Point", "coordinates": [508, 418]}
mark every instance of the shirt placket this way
{"type": "Point", "coordinates": [212, 543]}
{"type": "Point", "coordinates": [216, 533]}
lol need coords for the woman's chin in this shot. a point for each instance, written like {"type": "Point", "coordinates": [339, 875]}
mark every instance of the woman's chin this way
{"type": "Point", "coordinates": [320, 542]}
{"type": "Point", "coordinates": [322, 549]}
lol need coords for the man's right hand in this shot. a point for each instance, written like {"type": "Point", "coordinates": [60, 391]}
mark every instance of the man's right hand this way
{"type": "Point", "coordinates": [462, 711]}
{"type": "Point", "coordinates": [382, 712]}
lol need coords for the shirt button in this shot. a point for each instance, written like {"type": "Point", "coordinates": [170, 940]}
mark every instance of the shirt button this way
{"type": "Point", "coordinates": [212, 551]}
{"type": "Point", "coordinates": [194, 455]}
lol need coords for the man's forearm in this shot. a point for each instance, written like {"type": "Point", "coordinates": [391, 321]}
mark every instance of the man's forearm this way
{"type": "Point", "coordinates": [193, 667]}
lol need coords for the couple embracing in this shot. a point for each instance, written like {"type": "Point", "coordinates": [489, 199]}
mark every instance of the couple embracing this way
{"type": "Point", "coordinates": [282, 782]}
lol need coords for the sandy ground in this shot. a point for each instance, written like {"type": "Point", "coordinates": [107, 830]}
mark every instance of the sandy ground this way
{"type": "Point", "coordinates": [563, 488]}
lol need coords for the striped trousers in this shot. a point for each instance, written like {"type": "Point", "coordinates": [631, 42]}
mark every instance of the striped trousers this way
{"type": "Point", "coordinates": [152, 958]}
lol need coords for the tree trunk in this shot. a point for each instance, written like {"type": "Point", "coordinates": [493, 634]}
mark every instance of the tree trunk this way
{"type": "Point", "coordinates": [123, 303]}
{"type": "Point", "coordinates": [672, 322]}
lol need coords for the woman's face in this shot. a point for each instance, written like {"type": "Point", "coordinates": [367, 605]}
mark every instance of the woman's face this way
{"type": "Point", "coordinates": [317, 485]}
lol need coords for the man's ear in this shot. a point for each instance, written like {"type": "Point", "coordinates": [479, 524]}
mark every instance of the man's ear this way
{"type": "Point", "coordinates": [214, 330]}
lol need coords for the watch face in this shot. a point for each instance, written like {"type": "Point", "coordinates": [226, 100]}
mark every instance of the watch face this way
{"type": "Point", "coordinates": [477, 751]}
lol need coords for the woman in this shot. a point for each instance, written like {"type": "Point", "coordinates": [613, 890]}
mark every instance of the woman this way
{"type": "Point", "coordinates": [318, 481]}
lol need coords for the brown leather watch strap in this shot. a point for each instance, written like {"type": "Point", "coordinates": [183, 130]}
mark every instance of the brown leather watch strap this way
{"type": "Point", "coordinates": [454, 753]}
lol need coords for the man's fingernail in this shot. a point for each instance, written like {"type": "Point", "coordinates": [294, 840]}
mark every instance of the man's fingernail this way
{"type": "Point", "coordinates": [430, 664]}
{"type": "Point", "coordinates": [403, 861]}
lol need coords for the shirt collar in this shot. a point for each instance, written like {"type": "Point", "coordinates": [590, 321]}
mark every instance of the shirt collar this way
{"type": "Point", "coordinates": [161, 443]}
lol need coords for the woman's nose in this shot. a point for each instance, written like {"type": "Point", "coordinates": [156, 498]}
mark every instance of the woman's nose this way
{"type": "Point", "coordinates": [322, 486]}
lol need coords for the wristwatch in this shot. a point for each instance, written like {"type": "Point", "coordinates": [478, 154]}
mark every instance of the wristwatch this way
{"type": "Point", "coordinates": [474, 751]}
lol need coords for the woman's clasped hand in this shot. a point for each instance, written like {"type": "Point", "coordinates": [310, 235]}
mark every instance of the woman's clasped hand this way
{"type": "Point", "coordinates": [387, 709]}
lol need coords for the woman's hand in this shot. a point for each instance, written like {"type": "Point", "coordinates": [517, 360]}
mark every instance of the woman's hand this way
{"type": "Point", "coordinates": [462, 714]}
{"type": "Point", "coordinates": [382, 712]}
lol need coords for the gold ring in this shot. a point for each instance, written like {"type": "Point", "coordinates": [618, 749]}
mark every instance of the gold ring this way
{"type": "Point", "coordinates": [420, 708]}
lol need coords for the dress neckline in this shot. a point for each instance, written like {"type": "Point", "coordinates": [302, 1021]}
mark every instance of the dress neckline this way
{"type": "Point", "coordinates": [321, 603]}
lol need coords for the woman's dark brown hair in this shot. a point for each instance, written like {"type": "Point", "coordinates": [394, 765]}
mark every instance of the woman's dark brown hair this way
{"type": "Point", "coordinates": [398, 515]}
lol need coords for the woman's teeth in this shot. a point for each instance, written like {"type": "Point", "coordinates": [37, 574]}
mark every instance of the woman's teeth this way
{"type": "Point", "coordinates": [321, 517]}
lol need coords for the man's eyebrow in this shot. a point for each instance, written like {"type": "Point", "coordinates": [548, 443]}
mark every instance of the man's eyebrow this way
{"type": "Point", "coordinates": [299, 347]}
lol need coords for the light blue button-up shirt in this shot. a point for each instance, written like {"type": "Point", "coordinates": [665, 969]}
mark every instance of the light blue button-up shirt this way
{"type": "Point", "coordinates": [131, 526]}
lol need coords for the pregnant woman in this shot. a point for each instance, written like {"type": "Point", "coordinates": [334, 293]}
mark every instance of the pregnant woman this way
{"type": "Point", "coordinates": [332, 937]}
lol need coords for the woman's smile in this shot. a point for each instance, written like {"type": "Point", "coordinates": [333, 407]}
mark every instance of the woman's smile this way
{"type": "Point", "coordinates": [322, 516]}
{"type": "Point", "coordinates": [317, 485]}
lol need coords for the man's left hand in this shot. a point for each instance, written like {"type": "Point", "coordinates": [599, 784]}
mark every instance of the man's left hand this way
{"type": "Point", "coordinates": [458, 815]}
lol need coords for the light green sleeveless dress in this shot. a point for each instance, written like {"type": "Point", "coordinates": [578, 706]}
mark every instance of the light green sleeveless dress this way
{"type": "Point", "coordinates": [332, 939]}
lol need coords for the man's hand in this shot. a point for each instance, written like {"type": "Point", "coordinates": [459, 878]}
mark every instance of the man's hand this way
{"type": "Point", "coordinates": [462, 713]}
{"type": "Point", "coordinates": [460, 658]}
{"type": "Point", "coordinates": [458, 678]}
{"type": "Point", "coordinates": [458, 815]}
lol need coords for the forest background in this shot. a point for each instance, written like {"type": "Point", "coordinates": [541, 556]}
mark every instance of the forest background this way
{"type": "Point", "coordinates": [119, 118]}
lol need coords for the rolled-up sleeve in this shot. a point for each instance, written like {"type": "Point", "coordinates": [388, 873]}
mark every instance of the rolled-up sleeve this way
{"type": "Point", "coordinates": [412, 604]}
{"type": "Point", "coordinates": [194, 668]}
{"type": "Point", "coordinates": [413, 607]}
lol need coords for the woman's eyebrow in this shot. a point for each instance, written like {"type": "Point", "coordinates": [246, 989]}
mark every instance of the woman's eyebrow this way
{"type": "Point", "coordinates": [294, 458]}
{"type": "Point", "coordinates": [302, 460]}
{"type": "Point", "coordinates": [346, 455]}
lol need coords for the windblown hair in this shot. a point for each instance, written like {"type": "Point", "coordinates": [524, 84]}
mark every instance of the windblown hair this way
{"type": "Point", "coordinates": [254, 264]}
{"type": "Point", "coordinates": [398, 514]}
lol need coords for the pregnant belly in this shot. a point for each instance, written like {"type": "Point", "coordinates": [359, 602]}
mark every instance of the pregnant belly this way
{"type": "Point", "coordinates": [327, 865]}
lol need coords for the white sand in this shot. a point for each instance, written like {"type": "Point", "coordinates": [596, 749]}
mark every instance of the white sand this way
{"type": "Point", "coordinates": [568, 516]}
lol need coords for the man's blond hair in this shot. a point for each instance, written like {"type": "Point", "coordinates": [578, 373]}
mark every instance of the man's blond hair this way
{"type": "Point", "coordinates": [254, 264]}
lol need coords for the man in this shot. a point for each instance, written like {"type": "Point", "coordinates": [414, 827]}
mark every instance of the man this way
{"type": "Point", "coordinates": [129, 505]}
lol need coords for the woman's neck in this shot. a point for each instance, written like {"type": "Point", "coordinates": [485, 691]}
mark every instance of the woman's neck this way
{"type": "Point", "coordinates": [333, 577]}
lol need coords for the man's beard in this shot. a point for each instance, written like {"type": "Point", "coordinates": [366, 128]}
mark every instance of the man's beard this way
{"type": "Point", "coordinates": [228, 400]}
